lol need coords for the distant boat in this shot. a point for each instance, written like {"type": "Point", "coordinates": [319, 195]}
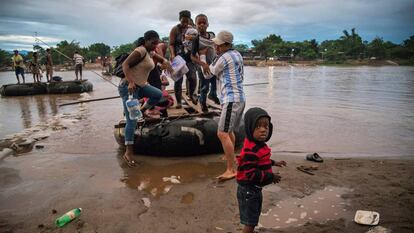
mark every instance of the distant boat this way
{"type": "Point", "coordinates": [64, 87]}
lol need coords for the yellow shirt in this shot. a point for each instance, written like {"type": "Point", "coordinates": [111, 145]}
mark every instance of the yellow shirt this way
{"type": "Point", "coordinates": [17, 61]}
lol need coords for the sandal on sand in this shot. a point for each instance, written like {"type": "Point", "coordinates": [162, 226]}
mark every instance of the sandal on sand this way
{"type": "Point", "coordinates": [314, 157]}
{"type": "Point", "coordinates": [305, 170]}
{"type": "Point", "coordinates": [130, 163]}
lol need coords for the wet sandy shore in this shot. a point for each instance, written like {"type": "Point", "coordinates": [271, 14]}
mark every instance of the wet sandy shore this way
{"type": "Point", "coordinates": [79, 165]}
{"type": "Point", "coordinates": [112, 195]}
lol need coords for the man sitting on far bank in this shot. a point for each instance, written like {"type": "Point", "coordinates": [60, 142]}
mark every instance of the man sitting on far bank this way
{"type": "Point", "coordinates": [228, 68]}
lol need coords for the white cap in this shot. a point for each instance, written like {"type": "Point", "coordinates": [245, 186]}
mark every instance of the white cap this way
{"type": "Point", "coordinates": [223, 37]}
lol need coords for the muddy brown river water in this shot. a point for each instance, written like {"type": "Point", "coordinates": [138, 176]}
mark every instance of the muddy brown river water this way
{"type": "Point", "coordinates": [335, 111]}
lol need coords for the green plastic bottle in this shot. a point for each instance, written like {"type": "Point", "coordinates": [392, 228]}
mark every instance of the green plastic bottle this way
{"type": "Point", "coordinates": [68, 217]}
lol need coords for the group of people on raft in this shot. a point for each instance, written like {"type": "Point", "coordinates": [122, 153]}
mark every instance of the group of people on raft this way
{"type": "Point", "coordinates": [36, 68]}
{"type": "Point", "coordinates": [213, 58]}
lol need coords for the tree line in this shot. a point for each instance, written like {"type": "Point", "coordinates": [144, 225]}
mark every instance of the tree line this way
{"type": "Point", "coordinates": [65, 47]}
{"type": "Point", "coordinates": [349, 46]}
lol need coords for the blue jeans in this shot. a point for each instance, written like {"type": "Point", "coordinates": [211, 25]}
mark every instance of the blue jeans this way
{"type": "Point", "coordinates": [250, 200]}
{"type": "Point", "coordinates": [205, 86]}
{"type": "Point", "coordinates": [154, 95]}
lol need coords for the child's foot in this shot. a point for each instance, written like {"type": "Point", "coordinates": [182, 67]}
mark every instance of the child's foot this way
{"type": "Point", "coordinates": [227, 175]}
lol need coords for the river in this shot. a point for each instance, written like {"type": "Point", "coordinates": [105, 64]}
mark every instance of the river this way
{"type": "Point", "coordinates": [336, 111]}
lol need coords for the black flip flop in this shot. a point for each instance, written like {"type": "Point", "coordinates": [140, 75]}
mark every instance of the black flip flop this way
{"type": "Point", "coordinates": [131, 163]}
{"type": "Point", "coordinates": [314, 157]}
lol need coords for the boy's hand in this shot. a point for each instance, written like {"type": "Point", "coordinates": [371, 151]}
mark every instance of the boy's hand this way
{"type": "Point", "coordinates": [206, 68]}
{"type": "Point", "coordinates": [280, 163]}
{"type": "Point", "coordinates": [276, 178]}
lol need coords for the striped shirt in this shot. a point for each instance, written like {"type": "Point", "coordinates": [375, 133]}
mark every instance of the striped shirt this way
{"type": "Point", "coordinates": [228, 68]}
{"type": "Point", "coordinates": [78, 59]}
{"type": "Point", "coordinates": [254, 164]}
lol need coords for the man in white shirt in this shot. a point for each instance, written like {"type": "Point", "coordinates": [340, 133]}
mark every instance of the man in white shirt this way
{"type": "Point", "coordinates": [228, 68]}
{"type": "Point", "coordinates": [78, 59]}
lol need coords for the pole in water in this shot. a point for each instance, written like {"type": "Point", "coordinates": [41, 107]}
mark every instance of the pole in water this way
{"type": "Point", "coordinates": [86, 101]}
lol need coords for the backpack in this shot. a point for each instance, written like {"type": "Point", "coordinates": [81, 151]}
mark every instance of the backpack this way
{"type": "Point", "coordinates": [118, 71]}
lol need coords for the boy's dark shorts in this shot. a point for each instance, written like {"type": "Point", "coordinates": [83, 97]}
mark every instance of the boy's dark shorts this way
{"type": "Point", "coordinates": [78, 68]}
{"type": "Point", "coordinates": [19, 70]}
{"type": "Point", "coordinates": [250, 204]}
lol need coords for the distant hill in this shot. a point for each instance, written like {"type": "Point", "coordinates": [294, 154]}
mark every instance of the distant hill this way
{"type": "Point", "coordinates": [23, 52]}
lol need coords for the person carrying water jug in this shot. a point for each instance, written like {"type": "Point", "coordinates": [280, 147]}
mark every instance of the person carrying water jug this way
{"type": "Point", "coordinates": [136, 68]}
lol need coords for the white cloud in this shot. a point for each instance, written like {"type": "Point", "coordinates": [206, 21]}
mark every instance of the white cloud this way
{"type": "Point", "coordinates": [27, 39]}
{"type": "Point", "coordinates": [115, 22]}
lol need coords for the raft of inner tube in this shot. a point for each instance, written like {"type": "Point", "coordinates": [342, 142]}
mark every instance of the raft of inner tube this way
{"type": "Point", "coordinates": [67, 87]}
{"type": "Point", "coordinates": [178, 137]}
{"type": "Point", "coordinates": [64, 87]}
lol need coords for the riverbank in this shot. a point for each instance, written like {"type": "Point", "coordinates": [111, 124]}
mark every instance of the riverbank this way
{"type": "Point", "coordinates": [262, 63]}
{"type": "Point", "coordinates": [365, 62]}
{"type": "Point", "coordinates": [36, 192]}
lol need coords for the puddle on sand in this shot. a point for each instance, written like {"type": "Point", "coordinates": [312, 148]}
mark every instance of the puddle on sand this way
{"type": "Point", "coordinates": [321, 206]}
{"type": "Point", "coordinates": [160, 179]}
{"type": "Point", "coordinates": [187, 198]}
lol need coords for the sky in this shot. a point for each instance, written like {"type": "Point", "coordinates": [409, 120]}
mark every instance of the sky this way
{"type": "Point", "coordinates": [116, 22]}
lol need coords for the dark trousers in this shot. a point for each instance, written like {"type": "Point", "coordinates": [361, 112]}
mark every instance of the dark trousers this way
{"type": "Point", "coordinates": [154, 77]}
{"type": "Point", "coordinates": [191, 82]}
{"type": "Point", "coordinates": [205, 86]}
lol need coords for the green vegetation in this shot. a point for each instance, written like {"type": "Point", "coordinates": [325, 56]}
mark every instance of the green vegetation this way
{"type": "Point", "coordinates": [349, 46]}
{"type": "Point", "coordinates": [5, 58]}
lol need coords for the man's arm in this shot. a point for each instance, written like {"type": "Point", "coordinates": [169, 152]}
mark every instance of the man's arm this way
{"type": "Point", "coordinates": [217, 66]}
{"type": "Point", "coordinates": [165, 64]}
{"type": "Point", "coordinates": [173, 34]}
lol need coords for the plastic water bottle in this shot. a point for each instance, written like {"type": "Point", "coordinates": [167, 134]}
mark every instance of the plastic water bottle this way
{"type": "Point", "coordinates": [133, 108]}
{"type": "Point", "coordinates": [68, 217]}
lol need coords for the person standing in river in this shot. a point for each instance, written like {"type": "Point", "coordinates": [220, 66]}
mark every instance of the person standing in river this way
{"type": "Point", "coordinates": [177, 48]}
{"type": "Point", "coordinates": [228, 68]}
{"type": "Point", "coordinates": [137, 68]}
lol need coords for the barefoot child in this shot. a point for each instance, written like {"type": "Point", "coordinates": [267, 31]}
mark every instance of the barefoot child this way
{"type": "Point", "coordinates": [255, 167]}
